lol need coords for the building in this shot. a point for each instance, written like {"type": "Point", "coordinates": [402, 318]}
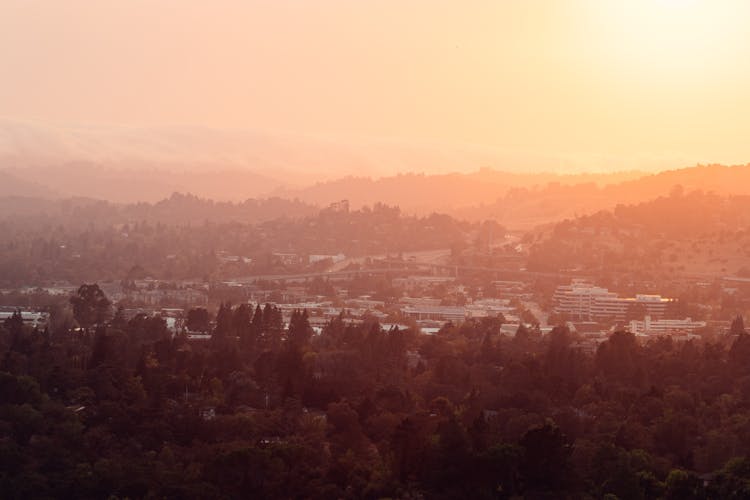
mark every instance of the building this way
{"type": "Point", "coordinates": [484, 308]}
{"type": "Point", "coordinates": [665, 326]}
{"type": "Point", "coordinates": [586, 301]}
{"type": "Point", "coordinates": [438, 313]}
{"type": "Point", "coordinates": [479, 309]}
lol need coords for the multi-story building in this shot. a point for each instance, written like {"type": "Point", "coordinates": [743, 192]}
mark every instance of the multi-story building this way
{"type": "Point", "coordinates": [584, 300]}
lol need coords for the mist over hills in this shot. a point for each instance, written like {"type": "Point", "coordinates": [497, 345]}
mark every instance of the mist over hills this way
{"type": "Point", "coordinates": [446, 192]}
{"type": "Point", "coordinates": [519, 201]}
{"type": "Point", "coordinates": [524, 200]}
{"type": "Point", "coordinates": [90, 180]}
{"type": "Point", "coordinates": [82, 160]}
{"type": "Point", "coordinates": [178, 209]}
{"type": "Point", "coordinates": [131, 165]}
{"type": "Point", "coordinates": [527, 207]}
{"type": "Point", "coordinates": [175, 148]}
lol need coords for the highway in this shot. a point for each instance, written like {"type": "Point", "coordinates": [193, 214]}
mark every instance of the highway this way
{"type": "Point", "coordinates": [401, 267]}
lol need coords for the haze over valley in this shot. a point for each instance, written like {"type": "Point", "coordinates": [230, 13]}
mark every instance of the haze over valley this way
{"type": "Point", "coordinates": [375, 250]}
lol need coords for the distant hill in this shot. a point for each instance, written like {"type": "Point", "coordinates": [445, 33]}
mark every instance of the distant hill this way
{"type": "Point", "coordinates": [178, 209]}
{"type": "Point", "coordinates": [126, 165]}
{"type": "Point", "coordinates": [520, 200]}
{"type": "Point", "coordinates": [259, 161]}
{"type": "Point", "coordinates": [525, 207]}
{"type": "Point", "coordinates": [516, 200]}
{"type": "Point", "coordinates": [442, 192]}
{"type": "Point", "coordinates": [143, 185]}
{"type": "Point", "coordinates": [697, 233]}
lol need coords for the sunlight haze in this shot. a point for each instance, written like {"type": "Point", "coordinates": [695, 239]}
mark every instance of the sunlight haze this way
{"type": "Point", "coordinates": [552, 85]}
{"type": "Point", "coordinates": [377, 249]}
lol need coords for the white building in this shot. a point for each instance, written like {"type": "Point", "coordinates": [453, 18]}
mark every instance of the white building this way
{"type": "Point", "coordinates": [483, 308]}
{"type": "Point", "coordinates": [584, 300]}
{"type": "Point", "coordinates": [665, 326]}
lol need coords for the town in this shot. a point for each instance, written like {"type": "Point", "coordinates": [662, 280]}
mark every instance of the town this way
{"type": "Point", "coordinates": [422, 291]}
{"type": "Point", "coordinates": [487, 250]}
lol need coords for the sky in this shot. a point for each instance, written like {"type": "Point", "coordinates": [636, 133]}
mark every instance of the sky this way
{"type": "Point", "coordinates": [589, 84]}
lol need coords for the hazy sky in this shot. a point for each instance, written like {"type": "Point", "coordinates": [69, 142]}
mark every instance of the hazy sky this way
{"type": "Point", "coordinates": [642, 83]}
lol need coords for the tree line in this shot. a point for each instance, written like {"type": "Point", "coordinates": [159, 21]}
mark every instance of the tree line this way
{"type": "Point", "coordinates": [121, 408]}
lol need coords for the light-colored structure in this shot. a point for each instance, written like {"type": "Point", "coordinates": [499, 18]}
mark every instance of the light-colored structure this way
{"type": "Point", "coordinates": [665, 326]}
{"type": "Point", "coordinates": [479, 309]}
{"type": "Point", "coordinates": [439, 313]}
{"type": "Point", "coordinates": [584, 300]}
{"type": "Point", "coordinates": [32, 319]}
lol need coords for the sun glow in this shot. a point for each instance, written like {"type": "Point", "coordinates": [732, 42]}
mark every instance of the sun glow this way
{"type": "Point", "coordinates": [683, 37]}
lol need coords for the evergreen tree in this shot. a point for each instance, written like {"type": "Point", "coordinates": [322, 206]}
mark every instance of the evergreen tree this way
{"type": "Point", "coordinates": [223, 321]}
{"type": "Point", "coordinates": [197, 319]}
{"type": "Point", "coordinates": [299, 332]}
{"type": "Point", "coordinates": [241, 320]}
{"type": "Point", "coordinates": [90, 306]}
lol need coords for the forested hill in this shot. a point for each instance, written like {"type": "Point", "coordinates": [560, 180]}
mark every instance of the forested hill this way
{"type": "Point", "coordinates": [695, 233]}
{"type": "Point", "coordinates": [83, 244]}
{"type": "Point", "coordinates": [524, 200]}
{"type": "Point", "coordinates": [525, 207]}
{"type": "Point", "coordinates": [177, 209]}
{"type": "Point", "coordinates": [516, 200]}
{"type": "Point", "coordinates": [445, 192]}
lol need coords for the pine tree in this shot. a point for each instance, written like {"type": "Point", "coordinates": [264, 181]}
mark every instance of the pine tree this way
{"type": "Point", "coordinates": [223, 321]}
{"type": "Point", "coordinates": [299, 332]}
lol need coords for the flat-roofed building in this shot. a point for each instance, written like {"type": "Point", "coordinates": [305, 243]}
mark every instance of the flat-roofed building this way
{"type": "Point", "coordinates": [584, 300]}
{"type": "Point", "coordinates": [665, 326]}
{"type": "Point", "coordinates": [442, 313]}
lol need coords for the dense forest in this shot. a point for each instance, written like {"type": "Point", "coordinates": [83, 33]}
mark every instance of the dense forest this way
{"type": "Point", "coordinates": [116, 408]}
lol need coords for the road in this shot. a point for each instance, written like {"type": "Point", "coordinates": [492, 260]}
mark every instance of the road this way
{"type": "Point", "coordinates": [425, 256]}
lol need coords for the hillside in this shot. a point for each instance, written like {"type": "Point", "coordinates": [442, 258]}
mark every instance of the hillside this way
{"type": "Point", "coordinates": [128, 185]}
{"type": "Point", "coordinates": [527, 207]}
{"type": "Point", "coordinates": [445, 192]}
{"type": "Point", "coordinates": [515, 200]}
{"type": "Point", "coordinates": [695, 234]}
{"type": "Point", "coordinates": [178, 209]}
